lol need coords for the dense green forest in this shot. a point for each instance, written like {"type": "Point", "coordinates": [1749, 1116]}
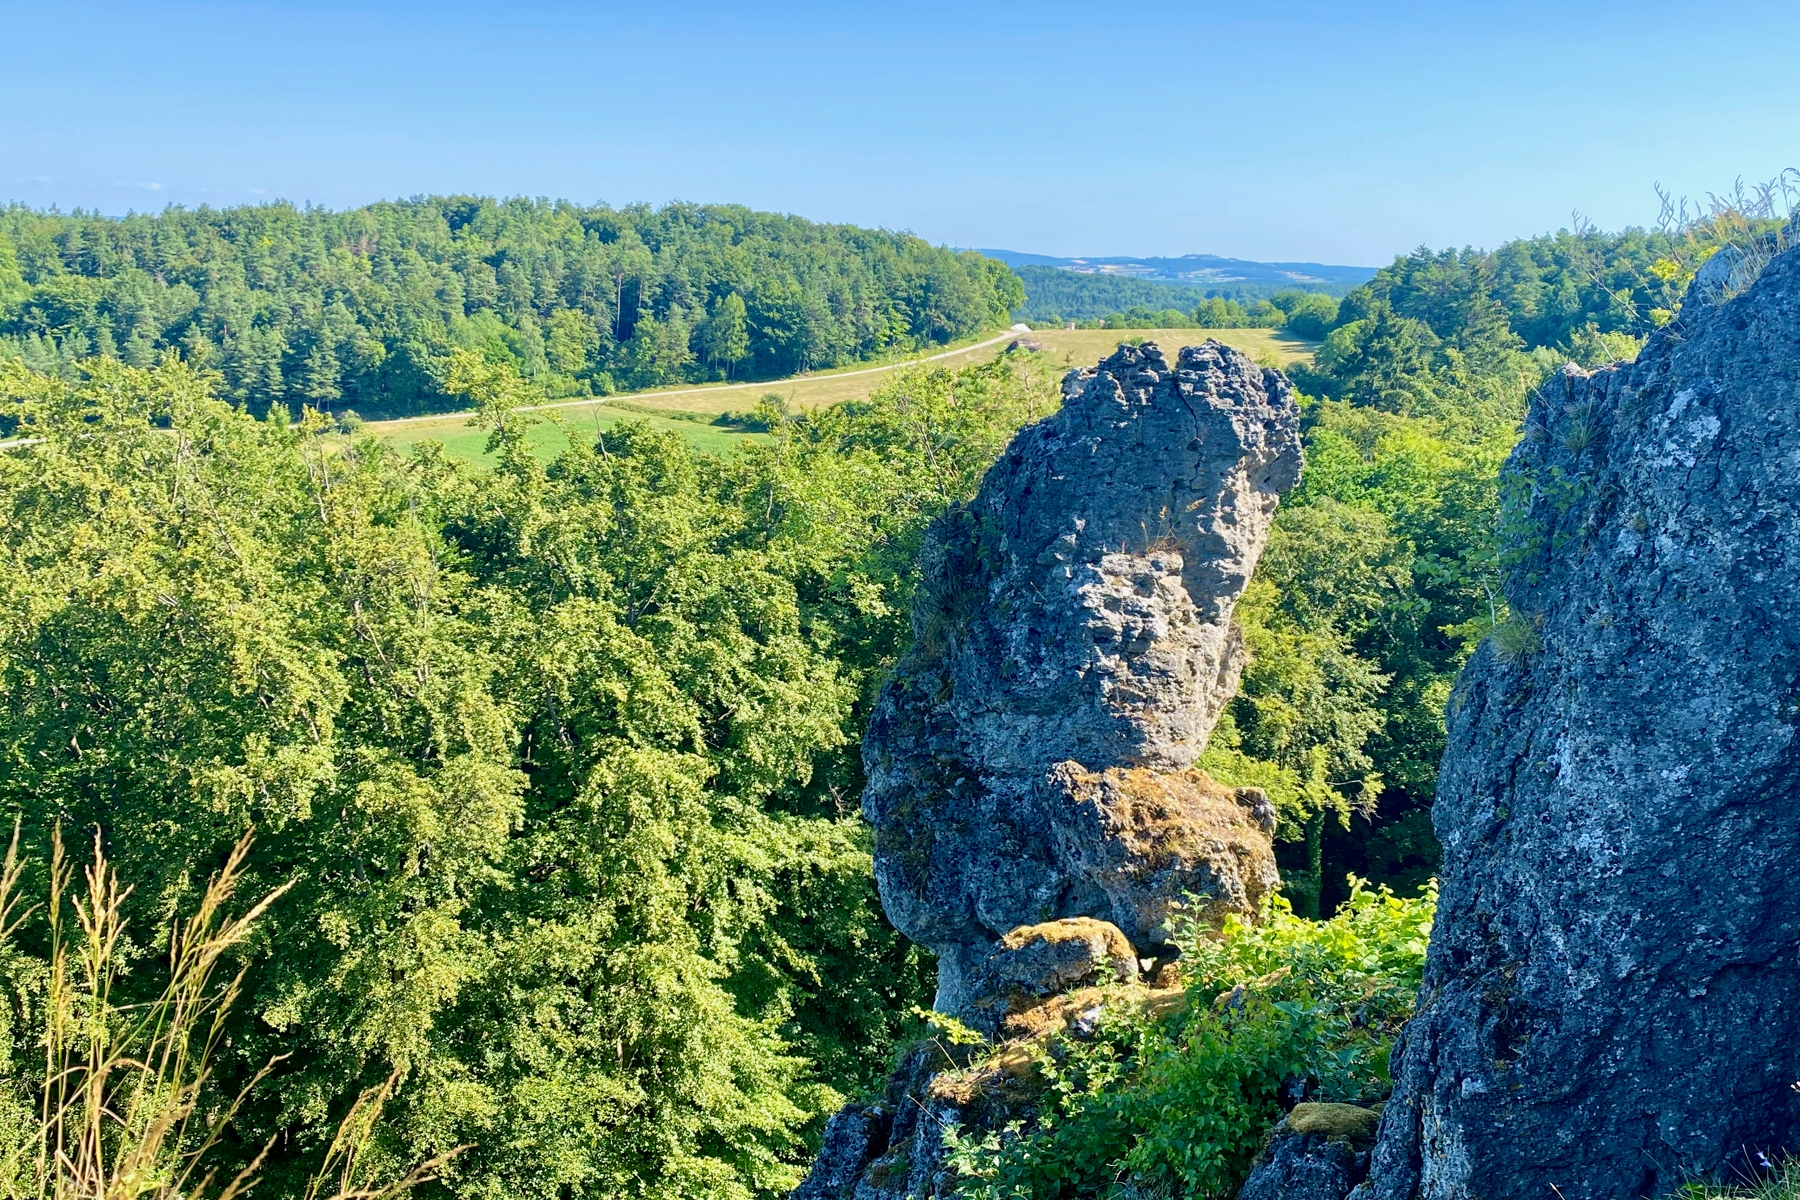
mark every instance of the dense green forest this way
{"type": "Point", "coordinates": [361, 309]}
{"type": "Point", "coordinates": [559, 762]}
{"type": "Point", "coordinates": [1382, 571]}
{"type": "Point", "coordinates": [1306, 314]}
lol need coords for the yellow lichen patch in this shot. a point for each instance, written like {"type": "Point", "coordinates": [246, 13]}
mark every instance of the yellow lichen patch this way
{"type": "Point", "coordinates": [1008, 1076]}
{"type": "Point", "coordinates": [1180, 820]}
{"type": "Point", "coordinates": [1337, 1122]}
{"type": "Point", "coordinates": [1073, 929]}
{"type": "Point", "coordinates": [1036, 962]}
{"type": "Point", "coordinates": [958, 1087]}
{"type": "Point", "coordinates": [1165, 1002]}
{"type": "Point", "coordinates": [1056, 1014]}
{"type": "Point", "coordinates": [1009, 1073]}
{"type": "Point", "coordinates": [1015, 1060]}
{"type": "Point", "coordinates": [1053, 1015]}
{"type": "Point", "coordinates": [1169, 817]}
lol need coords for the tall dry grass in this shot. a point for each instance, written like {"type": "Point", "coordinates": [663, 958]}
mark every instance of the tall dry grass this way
{"type": "Point", "coordinates": [125, 1106]}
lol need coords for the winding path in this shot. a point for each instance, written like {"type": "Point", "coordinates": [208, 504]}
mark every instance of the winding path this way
{"type": "Point", "coordinates": [765, 385]}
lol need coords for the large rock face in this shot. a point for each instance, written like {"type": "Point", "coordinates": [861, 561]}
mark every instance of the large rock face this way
{"type": "Point", "coordinates": [1029, 760]}
{"type": "Point", "coordinates": [1612, 997]}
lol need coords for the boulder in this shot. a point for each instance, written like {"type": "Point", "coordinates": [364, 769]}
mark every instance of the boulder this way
{"type": "Point", "coordinates": [1035, 962]}
{"type": "Point", "coordinates": [1611, 1002]}
{"type": "Point", "coordinates": [1317, 1152]}
{"type": "Point", "coordinates": [1031, 757]}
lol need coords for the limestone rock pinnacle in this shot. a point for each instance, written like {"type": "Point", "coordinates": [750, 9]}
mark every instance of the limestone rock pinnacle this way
{"type": "Point", "coordinates": [1030, 759]}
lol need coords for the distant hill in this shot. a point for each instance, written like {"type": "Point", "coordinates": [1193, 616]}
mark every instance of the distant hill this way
{"type": "Point", "coordinates": [1085, 288]}
{"type": "Point", "coordinates": [361, 309]}
{"type": "Point", "coordinates": [1206, 271]}
{"type": "Point", "coordinates": [1052, 294]}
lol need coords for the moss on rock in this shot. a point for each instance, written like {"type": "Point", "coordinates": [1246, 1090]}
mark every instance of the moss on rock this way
{"type": "Point", "coordinates": [1336, 1122]}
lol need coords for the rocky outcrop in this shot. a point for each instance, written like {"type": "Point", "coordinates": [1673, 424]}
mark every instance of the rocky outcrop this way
{"type": "Point", "coordinates": [1035, 962]}
{"type": "Point", "coordinates": [892, 1149]}
{"type": "Point", "coordinates": [1030, 759]}
{"type": "Point", "coordinates": [1317, 1152]}
{"type": "Point", "coordinates": [1030, 768]}
{"type": "Point", "coordinates": [1612, 996]}
{"type": "Point", "coordinates": [853, 1137]}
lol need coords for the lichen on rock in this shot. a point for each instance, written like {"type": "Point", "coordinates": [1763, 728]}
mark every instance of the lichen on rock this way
{"type": "Point", "coordinates": [1335, 1122]}
{"type": "Point", "coordinates": [1035, 962]}
{"type": "Point", "coordinates": [1316, 1152]}
{"type": "Point", "coordinates": [1611, 1003]}
{"type": "Point", "coordinates": [1031, 757]}
{"type": "Point", "coordinates": [1030, 762]}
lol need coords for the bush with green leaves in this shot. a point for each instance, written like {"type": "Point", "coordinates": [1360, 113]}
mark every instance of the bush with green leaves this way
{"type": "Point", "coordinates": [560, 761]}
{"type": "Point", "coordinates": [1180, 1105]}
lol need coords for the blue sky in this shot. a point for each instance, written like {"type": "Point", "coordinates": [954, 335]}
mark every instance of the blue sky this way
{"type": "Point", "coordinates": [1330, 132]}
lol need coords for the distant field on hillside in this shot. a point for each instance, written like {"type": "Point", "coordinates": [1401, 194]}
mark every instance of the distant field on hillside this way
{"type": "Point", "coordinates": [1084, 347]}
{"type": "Point", "coordinates": [1065, 348]}
{"type": "Point", "coordinates": [550, 435]}
{"type": "Point", "coordinates": [806, 391]}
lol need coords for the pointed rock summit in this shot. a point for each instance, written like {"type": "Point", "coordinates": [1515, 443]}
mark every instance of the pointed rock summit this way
{"type": "Point", "coordinates": [1612, 997]}
{"type": "Point", "coordinates": [1031, 758]}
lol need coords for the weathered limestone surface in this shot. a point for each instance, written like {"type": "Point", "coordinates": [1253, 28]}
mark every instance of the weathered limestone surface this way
{"type": "Point", "coordinates": [1029, 760]}
{"type": "Point", "coordinates": [1030, 763]}
{"type": "Point", "coordinates": [1316, 1152]}
{"type": "Point", "coordinates": [1612, 996]}
{"type": "Point", "coordinates": [1035, 962]}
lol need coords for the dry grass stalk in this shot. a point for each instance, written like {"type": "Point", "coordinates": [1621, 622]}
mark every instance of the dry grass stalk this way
{"type": "Point", "coordinates": [123, 1111]}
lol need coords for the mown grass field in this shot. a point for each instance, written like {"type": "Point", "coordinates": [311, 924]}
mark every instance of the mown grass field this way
{"type": "Point", "coordinates": [550, 435]}
{"type": "Point", "coordinates": [560, 421]}
{"type": "Point", "coordinates": [1084, 347]}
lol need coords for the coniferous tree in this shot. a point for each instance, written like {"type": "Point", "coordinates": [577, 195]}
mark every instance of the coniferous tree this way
{"type": "Point", "coordinates": [556, 290]}
{"type": "Point", "coordinates": [726, 334]}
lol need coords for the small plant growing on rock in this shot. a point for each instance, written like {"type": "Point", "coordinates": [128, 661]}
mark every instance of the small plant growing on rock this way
{"type": "Point", "coordinates": [1780, 1182]}
{"type": "Point", "coordinates": [1176, 1102]}
{"type": "Point", "coordinates": [1517, 638]}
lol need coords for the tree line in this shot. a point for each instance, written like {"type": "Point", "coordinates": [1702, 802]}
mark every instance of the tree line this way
{"type": "Point", "coordinates": [1382, 573]}
{"type": "Point", "coordinates": [1054, 295]}
{"type": "Point", "coordinates": [361, 309]}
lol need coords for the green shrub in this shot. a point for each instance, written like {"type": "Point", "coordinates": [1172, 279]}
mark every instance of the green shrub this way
{"type": "Point", "coordinates": [1181, 1105]}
